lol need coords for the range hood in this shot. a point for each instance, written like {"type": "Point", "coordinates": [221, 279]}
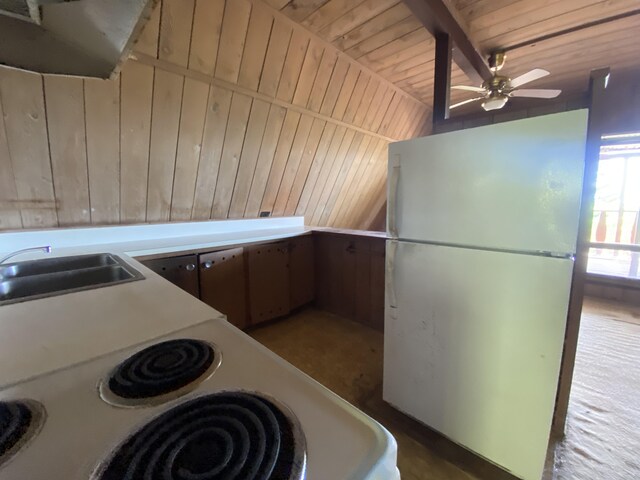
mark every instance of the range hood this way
{"type": "Point", "coordinates": [88, 38]}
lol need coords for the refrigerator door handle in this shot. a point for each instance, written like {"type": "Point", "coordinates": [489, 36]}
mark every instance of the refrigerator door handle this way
{"type": "Point", "coordinates": [392, 246]}
{"type": "Point", "coordinates": [394, 178]}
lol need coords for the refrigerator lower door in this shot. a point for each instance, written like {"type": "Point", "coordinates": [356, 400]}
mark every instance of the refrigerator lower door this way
{"type": "Point", "coordinates": [473, 343]}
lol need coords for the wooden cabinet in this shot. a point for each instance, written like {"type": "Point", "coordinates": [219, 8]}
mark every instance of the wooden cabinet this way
{"type": "Point", "coordinates": [350, 276]}
{"type": "Point", "coordinates": [301, 271]}
{"type": "Point", "coordinates": [250, 284]}
{"type": "Point", "coordinates": [223, 284]}
{"type": "Point", "coordinates": [180, 271]}
{"type": "Point", "coordinates": [268, 277]}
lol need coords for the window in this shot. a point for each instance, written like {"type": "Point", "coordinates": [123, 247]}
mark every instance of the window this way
{"type": "Point", "coordinates": [616, 216]}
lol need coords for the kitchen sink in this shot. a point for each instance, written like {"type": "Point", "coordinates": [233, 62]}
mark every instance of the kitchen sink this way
{"type": "Point", "coordinates": [22, 281]}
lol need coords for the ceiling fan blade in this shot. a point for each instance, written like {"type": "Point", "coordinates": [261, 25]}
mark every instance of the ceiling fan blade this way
{"type": "Point", "coordinates": [468, 88]}
{"type": "Point", "coordinates": [534, 74]}
{"type": "Point", "coordinates": [465, 102]}
{"type": "Point", "coordinates": [536, 93]}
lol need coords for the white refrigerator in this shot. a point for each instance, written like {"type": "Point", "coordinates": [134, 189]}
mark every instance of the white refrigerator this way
{"type": "Point", "coordinates": [483, 225]}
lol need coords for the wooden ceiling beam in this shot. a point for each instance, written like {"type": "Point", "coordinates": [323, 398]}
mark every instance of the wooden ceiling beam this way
{"type": "Point", "coordinates": [437, 19]}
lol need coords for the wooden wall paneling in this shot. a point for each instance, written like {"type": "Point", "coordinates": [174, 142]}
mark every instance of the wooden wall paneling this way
{"type": "Point", "coordinates": [347, 172]}
{"type": "Point", "coordinates": [283, 149]}
{"type": "Point", "coordinates": [255, 49]}
{"type": "Point", "coordinates": [372, 27]}
{"type": "Point", "coordinates": [175, 31]}
{"type": "Point", "coordinates": [336, 141]}
{"type": "Point", "coordinates": [321, 82]}
{"type": "Point", "coordinates": [249, 157]}
{"type": "Point", "coordinates": [9, 212]}
{"type": "Point", "coordinates": [147, 42]}
{"type": "Point", "coordinates": [317, 162]}
{"type": "Point", "coordinates": [356, 98]}
{"type": "Point", "coordinates": [293, 65]}
{"type": "Point", "coordinates": [336, 85]}
{"type": "Point", "coordinates": [370, 186]}
{"type": "Point", "coordinates": [376, 195]}
{"type": "Point", "coordinates": [295, 155]}
{"type": "Point", "coordinates": [215, 128]}
{"type": "Point", "coordinates": [136, 90]}
{"type": "Point", "coordinates": [367, 102]}
{"type": "Point", "coordinates": [26, 130]}
{"type": "Point", "coordinates": [363, 186]}
{"type": "Point", "coordinates": [232, 39]}
{"type": "Point", "coordinates": [351, 179]}
{"type": "Point", "coordinates": [275, 58]}
{"type": "Point", "coordinates": [205, 35]}
{"type": "Point", "coordinates": [346, 91]}
{"type": "Point", "coordinates": [231, 152]}
{"type": "Point", "coordinates": [268, 151]}
{"type": "Point", "coordinates": [356, 16]}
{"type": "Point", "coordinates": [390, 114]}
{"type": "Point", "coordinates": [345, 149]}
{"type": "Point", "coordinates": [308, 73]}
{"type": "Point", "coordinates": [301, 175]}
{"type": "Point", "coordinates": [102, 116]}
{"type": "Point", "coordinates": [360, 185]}
{"type": "Point", "coordinates": [165, 122]}
{"type": "Point", "coordinates": [64, 99]}
{"type": "Point", "coordinates": [301, 97]}
{"type": "Point", "coordinates": [345, 164]}
{"type": "Point", "coordinates": [192, 118]}
{"type": "Point", "coordinates": [286, 90]}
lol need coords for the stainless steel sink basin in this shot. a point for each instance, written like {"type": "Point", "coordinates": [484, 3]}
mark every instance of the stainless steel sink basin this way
{"type": "Point", "coordinates": [30, 280]}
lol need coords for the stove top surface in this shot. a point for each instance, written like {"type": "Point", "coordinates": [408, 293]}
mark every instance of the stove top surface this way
{"type": "Point", "coordinates": [215, 436]}
{"type": "Point", "coordinates": [160, 372]}
{"type": "Point", "coordinates": [91, 433]}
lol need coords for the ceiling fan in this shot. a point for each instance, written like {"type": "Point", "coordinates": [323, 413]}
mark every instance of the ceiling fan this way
{"type": "Point", "coordinates": [496, 91]}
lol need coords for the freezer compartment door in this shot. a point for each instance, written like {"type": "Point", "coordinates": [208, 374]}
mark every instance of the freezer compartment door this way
{"type": "Point", "coordinates": [513, 186]}
{"type": "Point", "coordinates": [473, 343]}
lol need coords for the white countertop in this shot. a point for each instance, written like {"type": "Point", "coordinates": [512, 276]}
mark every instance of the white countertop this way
{"type": "Point", "coordinates": [40, 336]}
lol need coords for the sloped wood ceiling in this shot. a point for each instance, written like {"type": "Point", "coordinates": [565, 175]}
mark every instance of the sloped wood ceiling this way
{"type": "Point", "coordinates": [228, 109]}
{"type": "Point", "coordinates": [520, 27]}
{"type": "Point", "coordinates": [383, 35]}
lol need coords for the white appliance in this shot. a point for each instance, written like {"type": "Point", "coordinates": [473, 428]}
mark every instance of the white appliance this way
{"type": "Point", "coordinates": [484, 224]}
{"type": "Point", "coordinates": [84, 423]}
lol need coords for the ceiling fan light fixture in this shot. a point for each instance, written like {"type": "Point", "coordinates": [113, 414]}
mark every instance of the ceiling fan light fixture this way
{"type": "Point", "coordinates": [495, 102]}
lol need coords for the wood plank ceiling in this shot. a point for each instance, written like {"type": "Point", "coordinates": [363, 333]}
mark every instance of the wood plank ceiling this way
{"type": "Point", "coordinates": [229, 109]}
{"type": "Point", "coordinates": [384, 36]}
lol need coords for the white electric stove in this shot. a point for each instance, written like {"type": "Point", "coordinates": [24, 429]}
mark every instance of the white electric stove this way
{"type": "Point", "coordinates": [205, 402]}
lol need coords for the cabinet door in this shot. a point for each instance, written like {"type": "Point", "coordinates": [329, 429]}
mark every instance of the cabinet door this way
{"type": "Point", "coordinates": [268, 281]}
{"type": "Point", "coordinates": [180, 271]}
{"type": "Point", "coordinates": [223, 285]}
{"type": "Point", "coordinates": [301, 271]}
{"type": "Point", "coordinates": [336, 274]}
